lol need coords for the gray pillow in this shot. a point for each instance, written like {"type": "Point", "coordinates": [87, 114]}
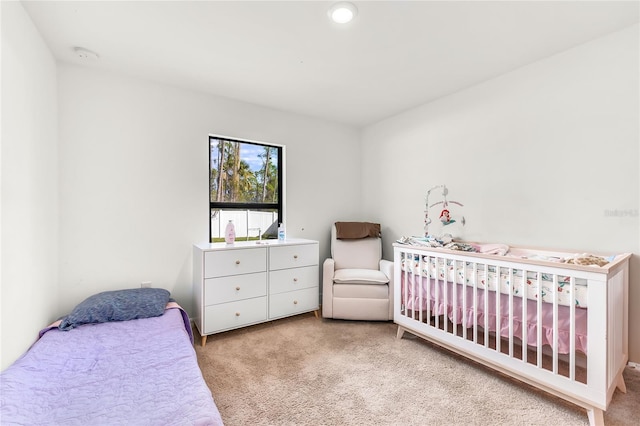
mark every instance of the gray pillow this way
{"type": "Point", "coordinates": [118, 305]}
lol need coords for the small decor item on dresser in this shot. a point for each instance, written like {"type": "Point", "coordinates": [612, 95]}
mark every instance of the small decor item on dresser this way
{"type": "Point", "coordinates": [281, 233]}
{"type": "Point", "coordinates": [230, 233]}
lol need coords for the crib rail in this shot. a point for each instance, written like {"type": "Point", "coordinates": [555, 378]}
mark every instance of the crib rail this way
{"type": "Point", "coordinates": [516, 317]}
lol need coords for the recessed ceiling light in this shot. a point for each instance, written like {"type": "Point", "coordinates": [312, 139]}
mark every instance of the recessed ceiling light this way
{"type": "Point", "coordinates": [85, 54]}
{"type": "Point", "coordinates": [343, 12]}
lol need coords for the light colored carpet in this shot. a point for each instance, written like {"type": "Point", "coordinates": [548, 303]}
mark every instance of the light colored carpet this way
{"type": "Point", "coordinates": [309, 371]}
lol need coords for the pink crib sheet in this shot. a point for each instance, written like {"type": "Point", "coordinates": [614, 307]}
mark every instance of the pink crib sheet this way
{"type": "Point", "coordinates": [414, 301]}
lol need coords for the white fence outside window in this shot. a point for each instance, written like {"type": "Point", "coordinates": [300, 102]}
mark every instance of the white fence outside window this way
{"type": "Point", "coordinates": [248, 223]}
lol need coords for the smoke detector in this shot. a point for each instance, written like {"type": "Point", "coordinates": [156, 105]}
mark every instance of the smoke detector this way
{"type": "Point", "coordinates": [85, 54]}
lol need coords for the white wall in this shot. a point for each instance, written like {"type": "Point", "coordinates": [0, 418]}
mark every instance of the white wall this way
{"type": "Point", "coordinates": [29, 170]}
{"type": "Point", "coordinates": [538, 156]}
{"type": "Point", "coordinates": [134, 178]}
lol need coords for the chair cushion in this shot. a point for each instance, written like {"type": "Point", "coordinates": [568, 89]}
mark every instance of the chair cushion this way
{"type": "Point", "coordinates": [360, 276]}
{"type": "Point", "coordinates": [360, 292]}
{"type": "Point", "coordinates": [363, 253]}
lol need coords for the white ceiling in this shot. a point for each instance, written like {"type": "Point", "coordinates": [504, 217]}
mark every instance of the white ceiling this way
{"type": "Point", "coordinates": [287, 55]}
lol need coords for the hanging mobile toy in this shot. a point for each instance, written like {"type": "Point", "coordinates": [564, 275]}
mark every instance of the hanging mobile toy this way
{"type": "Point", "coordinates": [445, 217]}
{"type": "Point", "coordinates": [445, 214]}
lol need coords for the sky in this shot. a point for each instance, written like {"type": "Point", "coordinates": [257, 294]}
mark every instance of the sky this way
{"type": "Point", "coordinates": [248, 153]}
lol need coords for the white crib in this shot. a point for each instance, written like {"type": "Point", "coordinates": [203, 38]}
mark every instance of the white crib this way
{"type": "Point", "coordinates": [571, 320]}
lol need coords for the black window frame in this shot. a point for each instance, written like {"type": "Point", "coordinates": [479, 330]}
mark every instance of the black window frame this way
{"type": "Point", "coordinates": [243, 206]}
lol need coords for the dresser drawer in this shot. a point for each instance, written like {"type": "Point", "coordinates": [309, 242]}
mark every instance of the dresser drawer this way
{"type": "Point", "coordinates": [234, 262]}
{"type": "Point", "coordinates": [234, 287]}
{"type": "Point", "coordinates": [293, 256]}
{"type": "Point", "coordinates": [293, 302]}
{"type": "Point", "coordinates": [227, 316]}
{"type": "Point", "coordinates": [284, 280]}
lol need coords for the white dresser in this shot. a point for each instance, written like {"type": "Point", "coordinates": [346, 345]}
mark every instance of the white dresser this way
{"type": "Point", "coordinates": [248, 283]}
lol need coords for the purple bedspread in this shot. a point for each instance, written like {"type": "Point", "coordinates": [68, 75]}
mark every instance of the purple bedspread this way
{"type": "Point", "coordinates": [138, 372]}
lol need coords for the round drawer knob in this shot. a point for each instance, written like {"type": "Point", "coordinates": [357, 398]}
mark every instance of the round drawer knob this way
{"type": "Point", "coordinates": [295, 302]}
{"type": "Point", "coordinates": [295, 280]}
{"type": "Point", "coordinates": [237, 262]}
{"type": "Point", "coordinates": [237, 314]}
{"type": "Point", "coordinates": [238, 288]}
{"type": "Point", "coordinates": [295, 256]}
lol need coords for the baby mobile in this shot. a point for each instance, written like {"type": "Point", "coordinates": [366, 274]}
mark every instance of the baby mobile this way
{"type": "Point", "coordinates": [445, 214]}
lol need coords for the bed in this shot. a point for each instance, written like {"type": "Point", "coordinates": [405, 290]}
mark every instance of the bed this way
{"type": "Point", "coordinates": [110, 369]}
{"type": "Point", "coordinates": [559, 326]}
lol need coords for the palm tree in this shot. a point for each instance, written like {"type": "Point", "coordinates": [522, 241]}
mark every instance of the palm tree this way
{"type": "Point", "coordinates": [235, 168]}
{"type": "Point", "coordinates": [265, 171]}
{"type": "Point", "coordinates": [246, 182]}
{"type": "Point", "coordinates": [272, 193]}
{"type": "Point", "coordinates": [221, 170]}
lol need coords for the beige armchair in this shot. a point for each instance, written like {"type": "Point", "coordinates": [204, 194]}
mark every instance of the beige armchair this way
{"type": "Point", "coordinates": [357, 283]}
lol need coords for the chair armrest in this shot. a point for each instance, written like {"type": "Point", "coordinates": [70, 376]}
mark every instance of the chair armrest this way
{"type": "Point", "coordinates": [328, 271]}
{"type": "Point", "coordinates": [386, 266]}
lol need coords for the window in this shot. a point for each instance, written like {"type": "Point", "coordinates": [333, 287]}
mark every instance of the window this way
{"type": "Point", "coordinates": [246, 185]}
